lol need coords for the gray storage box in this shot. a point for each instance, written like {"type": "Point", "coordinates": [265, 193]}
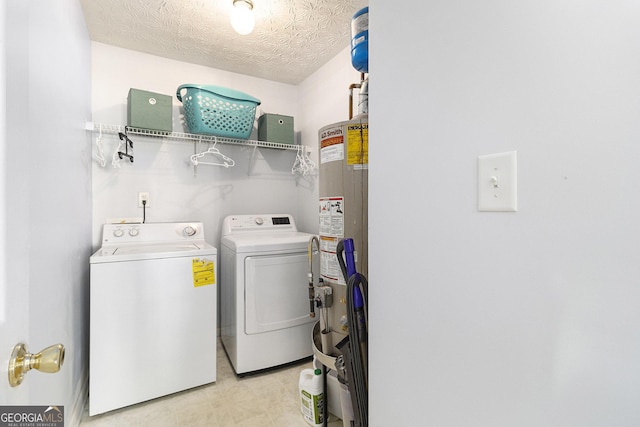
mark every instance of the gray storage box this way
{"type": "Point", "coordinates": [149, 110]}
{"type": "Point", "coordinates": [276, 128]}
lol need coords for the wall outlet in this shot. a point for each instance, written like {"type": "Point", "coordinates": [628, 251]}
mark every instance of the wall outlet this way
{"type": "Point", "coordinates": [143, 197]}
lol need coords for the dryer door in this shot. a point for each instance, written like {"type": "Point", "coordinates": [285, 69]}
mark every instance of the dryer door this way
{"type": "Point", "coordinates": [276, 292]}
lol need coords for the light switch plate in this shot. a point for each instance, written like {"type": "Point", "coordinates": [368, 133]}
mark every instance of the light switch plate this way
{"type": "Point", "coordinates": [497, 182]}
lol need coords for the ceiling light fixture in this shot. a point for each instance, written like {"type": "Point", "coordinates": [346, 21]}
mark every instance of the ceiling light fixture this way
{"type": "Point", "coordinates": [242, 19]}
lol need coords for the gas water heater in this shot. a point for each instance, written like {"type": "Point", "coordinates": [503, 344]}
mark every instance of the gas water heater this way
{"type": "Point", "coordinates": [343, 211]}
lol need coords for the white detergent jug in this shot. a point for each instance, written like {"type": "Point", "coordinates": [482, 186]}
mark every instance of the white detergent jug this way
{"type": "Point", "coordinates": [312, 396]}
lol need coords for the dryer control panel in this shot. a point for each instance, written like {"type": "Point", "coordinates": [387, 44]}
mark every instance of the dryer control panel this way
{"type": "Point", "coordinates": [255, 223]}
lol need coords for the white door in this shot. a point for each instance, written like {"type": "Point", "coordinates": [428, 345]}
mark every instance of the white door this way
{"type": "Point", "coordinates": [44, 87]}
{"type": "Point", "coordinates": [14, 300]}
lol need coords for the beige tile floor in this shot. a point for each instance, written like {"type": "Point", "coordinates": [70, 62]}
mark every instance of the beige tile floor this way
{"type": "Point", "coordinates": [268, 399]}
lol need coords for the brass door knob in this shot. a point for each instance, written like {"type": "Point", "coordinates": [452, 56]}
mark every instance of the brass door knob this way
{"type": "Point", "coordinates": [48, 360]}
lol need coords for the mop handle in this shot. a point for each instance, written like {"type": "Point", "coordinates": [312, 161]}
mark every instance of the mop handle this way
{"type": "Point", "coordinates": [349, 249]}
{"type": "Point", "coordinates": [349, 257]}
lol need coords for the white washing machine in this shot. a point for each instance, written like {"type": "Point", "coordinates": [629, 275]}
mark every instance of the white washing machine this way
{"type": "Point", "coordinates": [152, 313]}
{"type": "Point", "coordinates": [264, 308]}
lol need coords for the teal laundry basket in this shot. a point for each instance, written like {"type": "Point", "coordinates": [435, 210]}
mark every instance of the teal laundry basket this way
{"type": "Point", "coordinates": [216, 110]}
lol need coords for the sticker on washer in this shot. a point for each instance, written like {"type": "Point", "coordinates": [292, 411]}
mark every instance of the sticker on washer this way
{"type": "Point", "coordinates": [203, 272]}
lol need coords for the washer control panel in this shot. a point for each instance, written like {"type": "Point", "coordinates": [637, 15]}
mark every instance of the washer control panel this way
{"type": "Point", "coordinates": [131, 231]}
{"type": "Point", "coordinates": [151, 233]}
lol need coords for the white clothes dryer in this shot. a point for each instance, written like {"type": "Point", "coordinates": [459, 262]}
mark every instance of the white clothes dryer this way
{"type": "Point", "coordinates": [153, 300]}
{"type": "Point", "coordinates": [264, 310]}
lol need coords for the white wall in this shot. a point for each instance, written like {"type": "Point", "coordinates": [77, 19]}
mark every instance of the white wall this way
{"type": "Point", "coordinates": [261, 180]}
{"type": "Point", "coordinates": [501, 319]}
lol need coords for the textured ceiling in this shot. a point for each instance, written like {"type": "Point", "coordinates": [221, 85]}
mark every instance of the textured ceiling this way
{"type": "Point", "coordinates": [291, 39]}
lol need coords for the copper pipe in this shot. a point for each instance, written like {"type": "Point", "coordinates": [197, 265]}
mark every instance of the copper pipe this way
{"type": "Point", "coordinates": [351, 87]}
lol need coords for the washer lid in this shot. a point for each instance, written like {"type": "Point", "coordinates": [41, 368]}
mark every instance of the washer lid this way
{"type": "Point", "coordinates": [152, 251]}
{"type": "Point", "coordinates": [263, 242]}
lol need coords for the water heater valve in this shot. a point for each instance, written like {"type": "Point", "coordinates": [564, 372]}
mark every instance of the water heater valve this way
{"type": "Point", "coordinates": [324, 296]}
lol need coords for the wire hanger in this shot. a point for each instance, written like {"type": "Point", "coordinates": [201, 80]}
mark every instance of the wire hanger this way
{"type": "Point", "coordinates": [227, 162]}
{"type": "Point", "coordinates": [303, 164]}
{"type": "Point", "coordinates": [115, 159]}
{"type": "Point", "coordinates": [99, 145]}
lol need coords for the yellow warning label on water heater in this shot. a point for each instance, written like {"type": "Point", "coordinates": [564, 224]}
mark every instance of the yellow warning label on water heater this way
{"type": "Point", "coordinates": [203, 272]}
{"type": "Point", "coordinates": [358, 144]}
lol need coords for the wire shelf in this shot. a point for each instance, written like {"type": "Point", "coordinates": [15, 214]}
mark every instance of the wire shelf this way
{"type": "Point", "coordinates": [192, 137]}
